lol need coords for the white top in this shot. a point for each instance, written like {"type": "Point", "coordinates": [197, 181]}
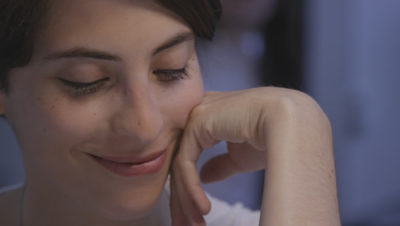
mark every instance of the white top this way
{"type": "Point", "coordinates": [221, 214]}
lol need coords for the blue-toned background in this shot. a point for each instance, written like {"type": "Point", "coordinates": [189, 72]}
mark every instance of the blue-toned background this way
{"type": "Point", "coordinates": [354, 72]}
{"type": "Point", "coordinates": [352, 67]}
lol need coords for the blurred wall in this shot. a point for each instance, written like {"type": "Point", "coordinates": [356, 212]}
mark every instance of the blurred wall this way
{"type": "Point", "coordinates": [11, 168]}
{"type": "Point", "coordinates": [353, 65]}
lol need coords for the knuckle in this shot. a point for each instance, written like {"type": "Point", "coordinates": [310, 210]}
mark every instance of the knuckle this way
{"type": "Point", "coordinates": [300, 104]}
{"type": "Point", "coordinates": [294, 103]}
{"type": "Point", "coordinates": [199, 110]}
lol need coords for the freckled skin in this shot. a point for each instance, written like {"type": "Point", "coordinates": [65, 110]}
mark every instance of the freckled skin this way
{"type": "Point", "coordinates": [137, 114]}
{"type": "Point", "coordinates": [134, 110]}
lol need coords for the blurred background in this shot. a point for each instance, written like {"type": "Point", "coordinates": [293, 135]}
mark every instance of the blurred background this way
{"type": "Point", "coordinates": [344, 53]}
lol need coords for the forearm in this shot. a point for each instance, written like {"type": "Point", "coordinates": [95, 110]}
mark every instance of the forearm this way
{"type": "Point", "coordinates": [281, 130]}
{"type": "Point", "coordinates": [300, 181]}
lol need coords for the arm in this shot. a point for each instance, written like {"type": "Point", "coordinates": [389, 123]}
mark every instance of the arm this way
{"type": "Point", "coordinates": [279, 130]}
{"type": "Point", "coordinates": [300, 186]}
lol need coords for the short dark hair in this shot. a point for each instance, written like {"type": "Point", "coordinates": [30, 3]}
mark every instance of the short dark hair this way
{"type": "Point", "coordinates": [20, 20]}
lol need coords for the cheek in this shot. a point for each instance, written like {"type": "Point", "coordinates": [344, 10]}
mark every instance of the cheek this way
{"type": "Point", "coordinates": [184, 98]}
{"type": "Point", "coordinates": [33, 115]}
{"type": "Point", "coordinates": [25, 114]}
{"type": "Point", "coordinates": [45, 123]}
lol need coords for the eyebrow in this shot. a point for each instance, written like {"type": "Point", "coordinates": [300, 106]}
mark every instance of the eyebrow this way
{"type": "Point", "coordinates": [176, 40]}
{"type": "Point", "coordinates": [82, 52]}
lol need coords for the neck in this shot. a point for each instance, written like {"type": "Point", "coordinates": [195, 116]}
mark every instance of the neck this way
{"type": "Point", "coordinates": [41, 207]}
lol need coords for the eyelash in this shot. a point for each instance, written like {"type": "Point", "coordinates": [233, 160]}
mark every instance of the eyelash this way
{"type": "Point", "coordinates": [171, 75]}
{"type": "Point", "coordinates": [83, 88]}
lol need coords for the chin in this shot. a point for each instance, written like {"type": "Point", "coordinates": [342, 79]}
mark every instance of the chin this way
{"type": "Point", "coordinates": [132, 210]}
{"type": "Point", "coordinates": [132, 205]}
{"type": "Point", "coordinates": [133, 201]}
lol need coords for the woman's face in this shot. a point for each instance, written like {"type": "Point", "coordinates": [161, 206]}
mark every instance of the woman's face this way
{"type": "Point", "coordinates": [110, 86]}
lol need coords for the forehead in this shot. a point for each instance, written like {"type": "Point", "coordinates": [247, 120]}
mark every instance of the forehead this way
{"type": "Point", "coordinates": [108, 24]}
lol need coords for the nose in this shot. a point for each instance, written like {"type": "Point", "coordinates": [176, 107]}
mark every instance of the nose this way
{"type": "Point", "coordinates": [139, 117]}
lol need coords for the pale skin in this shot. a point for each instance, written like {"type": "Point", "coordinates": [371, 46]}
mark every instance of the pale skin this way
{"type": "Point", "coordinates": [285, 133]}
{"type": "Point", "coordinates": [139, 110]}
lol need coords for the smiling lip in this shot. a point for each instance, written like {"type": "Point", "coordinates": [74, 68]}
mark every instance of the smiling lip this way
{"type": "Point", "coordinates": [132, 166]}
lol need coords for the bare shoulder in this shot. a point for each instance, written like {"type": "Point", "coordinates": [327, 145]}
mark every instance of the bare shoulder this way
{"type": "Point", "coordinates": [9, 206]}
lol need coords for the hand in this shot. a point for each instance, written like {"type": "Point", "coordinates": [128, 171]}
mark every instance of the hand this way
{"type": "Point", "coordinates": [255, 123]}
{"type": "Point", "coordinates": [220, 116]}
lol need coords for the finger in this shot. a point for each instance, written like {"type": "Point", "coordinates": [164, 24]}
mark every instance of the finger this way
{"type": "Point", "coordinates": [210, 93]}
{"type": "Point", "coordinates": [214, 95]}
{"type": "Point", "coordinates": [178, 216]}
{"type": "Point", "coordinates": [189, 152]}
{"type": "Point", "coordinates": [192, 214]}
{"type": "Point", "coordinates": [246, 156]}
{"type": "Point", "coordinates": [219, 168]}
{"type": "Point", "coordinates": [191, 194]}
{"type": "Point", "coordinates": [181, 216]}
{"type": "Point", "coordinates": [192, 197]}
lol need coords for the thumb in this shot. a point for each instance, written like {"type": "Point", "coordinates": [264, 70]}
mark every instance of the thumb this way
{"type": "Point", "coordinates": [218, 168]}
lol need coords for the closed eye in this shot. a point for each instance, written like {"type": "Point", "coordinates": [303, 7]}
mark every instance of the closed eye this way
{"type": "Point", "coordinates": [168, 75]}
{"type": "Point", "coordinates": [82, 88]}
